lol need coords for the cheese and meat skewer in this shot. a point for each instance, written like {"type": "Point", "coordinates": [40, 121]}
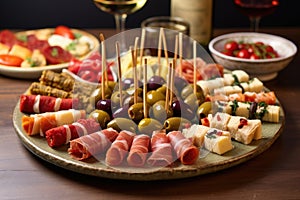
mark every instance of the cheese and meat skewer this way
{"type": "Point", "coordinates": [39, 123]}
{"type": "Point", "coordinates": [41, 104]}
{"type": "Point", "coordinates": [161, 148]}
{"type": "Point", "coordinates": [93, 144]}
{"type": "Point", "coordinates": [253, 110]}
{"type": "Point", "coordinates": [63, 134]}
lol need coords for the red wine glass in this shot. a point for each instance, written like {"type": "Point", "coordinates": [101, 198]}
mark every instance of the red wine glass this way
{"type": "Point", "coordinates": [256, 9]}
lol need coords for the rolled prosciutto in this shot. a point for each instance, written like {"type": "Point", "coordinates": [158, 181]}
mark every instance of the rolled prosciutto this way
{"type": "Point", "coordinates": [119, 148]}
{"type": "Point", "coordinates": [39, 123]}
{"type": "Point", "coordinates": [63, 134]}
{"type": "Point", "coordinates": [186, 152]}
{"type": "Point", "coordinates": [162, 151]}
{"type": "Point", "coordinates": [139, 150]}
{"type": "Point", "coordinates": [40, 104]}
{"type": "Point", "coordinates": [93, 144]}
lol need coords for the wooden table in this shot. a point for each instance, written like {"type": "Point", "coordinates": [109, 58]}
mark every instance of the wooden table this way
{"type": "Point", "coordinates": [274, 174]}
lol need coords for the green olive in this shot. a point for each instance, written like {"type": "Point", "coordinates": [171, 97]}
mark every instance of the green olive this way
{"type": "Point", "coordinates": [176, 123]}
{"type": "Point", "coordinates": [131, 91]}
{"type": "Point", "coordinates": [112, 85]}
{"type": "Point", "coordinates": [136, 112]}
{"type": "Point", "coordinates": [120, 124]}
{"type": "Point", "coordinates": [101, 117]}
{"type": "Point", "coordinates": [130, 100]}
{"type": "Point", "coordinates": [148, 125]}
{"type": "Point", "coordinates": [189, 89]}
{"type": "Point", "coordinates": [194, 100]}
{"type": "Point", "coordinates": [115, 98]}
{"type": "Point", "coordinates": [153, 96]}
{"type": "Point", "coordinates": [162, 89]}
{"type": "Point", "coordinates": [204, 109]}
{"type": "Point", "coordinates": [97, 95]}
{"type": "Point", "coordinates": [158, 111]}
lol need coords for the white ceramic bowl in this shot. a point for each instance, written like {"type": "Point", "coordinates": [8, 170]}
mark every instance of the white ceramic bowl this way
{"type": "Point", "coordinates": [264, 69]}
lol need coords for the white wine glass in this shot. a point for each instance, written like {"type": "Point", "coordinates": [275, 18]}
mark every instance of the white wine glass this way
{"type": "Point", "coordinates": [120, 9]}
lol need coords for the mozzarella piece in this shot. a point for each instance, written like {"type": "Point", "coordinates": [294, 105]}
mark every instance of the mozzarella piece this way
{"type": "Point", "coordinates": [58, 40]}
{"type": "Point", "coordinates": [241, 75]}
{"type": "Point", "coordinates": [196, 133]}
{"type": "Point", "coordinates": [220, 120]}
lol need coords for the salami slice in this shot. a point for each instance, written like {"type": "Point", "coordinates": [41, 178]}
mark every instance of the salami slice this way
{"type": "Point", "coordinates": [186, 152]}
{"type": "Point", "coordinates": [119, 148]}
{"type": "Point", "coordinates": [41, 104]}
{"type": "Point", "coordinates": [40, 123]}
{"type": "Point", "coordinates": [162, 151]}
{"type": "Point", "coordinates": [92, 144]}
{"type": "Point", "coordinates": [63, 134]}
{"type": "Point", "coordinates": [56, 55]}
{"type": "Point", "coordinates": [139, 150]}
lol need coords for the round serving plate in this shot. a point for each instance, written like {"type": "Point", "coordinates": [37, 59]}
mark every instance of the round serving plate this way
{"type": "Point", "coordinates": [207, 164]}
{"type": "Point", "coordinates": [35, 72]}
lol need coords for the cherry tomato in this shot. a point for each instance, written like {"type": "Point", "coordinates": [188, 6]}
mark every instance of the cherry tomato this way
{"type": "Point", "coordinates": [64, 31]}
{"type": "Point", "coordinates": [243, 54]}
{"type": "Point", "coordinates": [227, 52]}
{"type": "Point", "coordinates": [231, 45]}
{"type": "Point", "coordinates": [254, 56]}
{"type": "Point", "coordinates": [10, 60]}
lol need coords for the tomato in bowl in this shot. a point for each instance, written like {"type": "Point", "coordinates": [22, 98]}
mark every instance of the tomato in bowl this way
{"type": "Point", "coordinates": [266, 67]}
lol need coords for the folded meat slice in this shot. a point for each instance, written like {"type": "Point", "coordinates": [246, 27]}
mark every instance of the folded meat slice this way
{"type": "Point", "coordinates": [92, 144]}
{"type": "Point", "coordinates": [186, 152]}
{"type": "Point", "coordinates": [40, 123]}
{"type": "Point", "coordinates": [162, 151]}
{"type": "Point", "coordinates": [139, 150]}
{"type": "Point", "coordinates": [63, 134]}
{"type": "Point", "coordinates": [119, 148]}
{"type": "Point", "coordinates": [41, 104]}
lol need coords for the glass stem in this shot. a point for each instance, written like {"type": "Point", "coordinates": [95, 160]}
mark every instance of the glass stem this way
{"type": "Point", "coordinates": [254, 24]}
{"type": "Point", "coordinates": [120, 22]}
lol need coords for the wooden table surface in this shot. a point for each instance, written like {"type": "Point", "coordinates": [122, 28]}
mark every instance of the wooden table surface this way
{"type": "Point", "coordinates": [274, 174]}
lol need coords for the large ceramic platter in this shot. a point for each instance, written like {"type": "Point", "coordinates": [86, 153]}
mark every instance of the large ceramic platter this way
{"type": "Point", "coordinates": [207, 164]}
{"type": "Point", "coordinates": [35, 72]}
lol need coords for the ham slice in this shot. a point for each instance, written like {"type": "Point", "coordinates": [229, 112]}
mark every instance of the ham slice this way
{"type": "Point", "coordinates": [92, 144]}
{"type": "Point", "coordinates": [63, 134]}
{"type": "Point", "coordinates": [119, 148]}
{"type": "Point", "coordinates": [40, 104]}
{"type": "Point", "coordinates": [186, 152]}
{"type": "Point", "coordinates": [162, 151]}
{"type": "Point", "coordinates": [139, 150]}
{"type": "Point", "coordinates": [40, 123]}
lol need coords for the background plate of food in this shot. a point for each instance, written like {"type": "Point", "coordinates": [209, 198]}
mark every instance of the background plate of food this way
{"type": "Point", "coordinates": [26, 54]}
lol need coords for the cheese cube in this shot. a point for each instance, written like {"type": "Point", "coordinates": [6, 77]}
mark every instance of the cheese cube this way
{"type": "Point", "coordinates": [218, 141]}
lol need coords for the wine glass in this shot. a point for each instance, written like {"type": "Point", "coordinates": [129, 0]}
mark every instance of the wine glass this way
{"type": "Point", "coordinates": [120, 9]}
{"type": "Point", "coordinates": [256, 9]}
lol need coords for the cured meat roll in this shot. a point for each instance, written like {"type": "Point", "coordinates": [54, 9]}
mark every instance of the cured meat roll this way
{"type": "Point", "coordinates": [92, 144]}
{"type": "Point", "coordinates": [41, 104]}
{"type": "Point", "coordinates": [186, 152]}
{"type": "Point", "coordinates": [119, 148]}
{"type": "Point", "coordinates": [40, 123]}
{"type": "Point", "coordinates": [139, 150]}
{"type": "Point", "coordinates": [162, 152]}
{"type": "Point", "coordinates": [63, 134]}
